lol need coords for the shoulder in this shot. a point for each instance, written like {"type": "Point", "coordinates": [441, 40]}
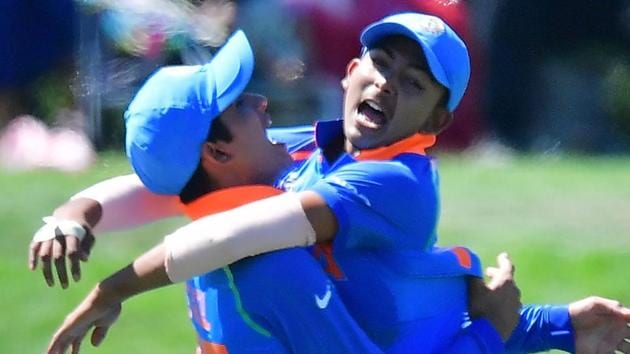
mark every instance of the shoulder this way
{"type": "Point", "coordinates": [406, 170]}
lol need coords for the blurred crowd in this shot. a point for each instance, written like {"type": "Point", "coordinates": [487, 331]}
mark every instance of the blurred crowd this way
{"type": "Point", "coordinates": [547, 76]}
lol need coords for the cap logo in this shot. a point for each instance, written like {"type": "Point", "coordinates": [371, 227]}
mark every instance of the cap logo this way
{"type": "Point", "coordinates": [432, 27]}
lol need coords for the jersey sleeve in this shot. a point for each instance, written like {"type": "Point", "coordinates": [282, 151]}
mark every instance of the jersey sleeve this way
{"type": "Point", "coordinates": [384, 204]}
{"type": "Point", "coordinates": [542, 328]}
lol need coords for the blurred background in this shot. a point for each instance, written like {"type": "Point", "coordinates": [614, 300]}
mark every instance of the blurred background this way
{"type": "Point", "coordinates": [536, 162]}
{"type": "Point", "coordinates": [548, 76]}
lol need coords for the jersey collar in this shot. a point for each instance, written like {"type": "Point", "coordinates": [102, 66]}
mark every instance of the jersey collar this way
{"type": "Point", "coordinates": [226, 199]}
{"type": "Point", "coordinates": [326, 132]}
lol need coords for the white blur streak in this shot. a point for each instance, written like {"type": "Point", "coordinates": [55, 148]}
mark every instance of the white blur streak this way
{"type": "Point", "coordinates": [448, 2]}
{"type": "Point", "coordinates": [210, 23]}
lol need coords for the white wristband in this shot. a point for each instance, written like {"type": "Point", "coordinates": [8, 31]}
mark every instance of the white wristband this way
{"type": "Point", "coordinates": [54, 227]}
{"type": "Point", "coordinates": [218, 240]}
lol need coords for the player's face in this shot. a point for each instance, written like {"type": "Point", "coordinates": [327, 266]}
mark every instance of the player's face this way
{"type": "Point", "coordinates": [254, 159]}
{"type": "Point", "coordinates": [389, 94]}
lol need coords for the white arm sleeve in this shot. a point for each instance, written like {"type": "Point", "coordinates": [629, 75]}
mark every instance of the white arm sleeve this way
{"type": "Point", "coordinates": [127, 203]}
{"type": "Point", "coordinates": [218, 240]}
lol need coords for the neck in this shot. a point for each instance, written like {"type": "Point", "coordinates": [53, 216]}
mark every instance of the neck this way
{"type": "Point", "coordinates": [349, 148]}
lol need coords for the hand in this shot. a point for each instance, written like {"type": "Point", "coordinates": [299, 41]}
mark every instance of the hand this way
{"type": "Point", "coordinates": [601, 326]}
{"type": "Point", "coordinates": [56, 250]}
{"type": "Point", "coordinates": [97, 312]}
{"type": "Point", "coordinates": [499, 301]}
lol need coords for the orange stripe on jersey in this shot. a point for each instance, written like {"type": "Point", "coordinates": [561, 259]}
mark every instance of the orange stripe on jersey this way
{"type": "Point", "coordinates": [463, 257]}
{"type": "Point", "coordinates": [211, 348]}
{"type": "Point", "coordinates": [300, 155]}
{"type": "Point", "coordinates": [417, 143]}
{"type": "Point", "coordinates": [226, 199]}
{"type": "Point", "coordinates": [324, 252]}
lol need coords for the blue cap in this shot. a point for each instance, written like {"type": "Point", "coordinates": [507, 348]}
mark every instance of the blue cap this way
{"type": "Point", "coordinates": [169, 119]}
{"type": "Point", "coordinates": [445, 52]}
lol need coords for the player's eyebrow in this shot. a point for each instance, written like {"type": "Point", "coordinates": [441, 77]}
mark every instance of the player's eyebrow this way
{"type": "Point", "coordinates": [416, 63]}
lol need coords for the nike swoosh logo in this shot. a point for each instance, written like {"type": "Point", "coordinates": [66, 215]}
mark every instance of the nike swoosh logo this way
{"type": "Point", "coordinates": [322, 302]}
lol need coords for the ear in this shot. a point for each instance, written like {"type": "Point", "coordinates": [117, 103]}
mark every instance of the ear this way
{"type": "Point", "coordinates": [440, 120]}
{"type": "Point", "coordinates": [214, 153]}
{"type": "Point", "coordinates": [352, 65]}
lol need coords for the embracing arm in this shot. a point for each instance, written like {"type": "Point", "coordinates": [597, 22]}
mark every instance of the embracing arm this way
{"type": "Point", "coordinates": [114, 204]}
{"type": "Point", "coordinates": [493, 308]}
{"type": "Point", "coordinates": [102, 306]}
{"type": "Point", "coordinates": [284, 221]}
{"type": "Point", "coordinates": [589, 326]}
{"type": "Point", "coordinates": [226, 237]}
{"type": "Point", "coordinates": [126, 203]}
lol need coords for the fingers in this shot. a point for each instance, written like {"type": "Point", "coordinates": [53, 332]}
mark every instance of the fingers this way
{"type": "Point", "coordinates": [98, 335]}
{"type": "Point", "coordinates": [59, 257]}
{"type": "Point", "coordinates": [505, 263]}
{"type": "Point", "coordinates": [86, 246]}
{"type": "Point", "coordinates": [58, 345]}
{"type": "Point", "coordinates": [502, 273]}
{"type": "Point", "coordinates": [621, 310]}
{"type": "Point", "coordinates": [76, 346]}
{"type": "Point", "coordinates": [610, 307]}
{"type": "Point", "coordinates": [103, 325]}
{"type": "Point", "coordinates": [55, 251]}
{"type": "Point", "coordinates": [33, 252]}
{"type": "Point", "coordinates": [74, 256]}
{"type": "Point", "coordinates": [62, 340]}
{"type": "Point", "coordinates": [45, 254]}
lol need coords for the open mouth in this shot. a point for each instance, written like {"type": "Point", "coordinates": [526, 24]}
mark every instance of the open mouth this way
{"type": "Point", "coordinates": [371, 114]}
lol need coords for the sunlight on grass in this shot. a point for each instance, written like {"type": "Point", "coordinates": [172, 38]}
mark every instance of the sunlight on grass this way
{"type": "Point", "coordinates": [565, 221]}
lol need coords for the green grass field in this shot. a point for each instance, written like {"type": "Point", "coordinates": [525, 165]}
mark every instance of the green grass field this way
{"type": "Point", "coordinates": [565, 222]}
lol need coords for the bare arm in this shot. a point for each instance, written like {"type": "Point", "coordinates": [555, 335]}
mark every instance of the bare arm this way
{"type": "Point", "coordinates": [115, 204]}
{"type": "Point", "coordinates": [127, 203]}
{"type": "Point", "coordinates": [320, 216]}
{"type": "Point", "coordinates": [102, 306]}
{"type": "Point", "coordinates": [283, 221]}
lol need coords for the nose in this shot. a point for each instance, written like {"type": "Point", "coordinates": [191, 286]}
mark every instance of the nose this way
{"type": "Point", "coordinates": [259, 102]}
{"type": "Point", "coordinates": [384, 82]}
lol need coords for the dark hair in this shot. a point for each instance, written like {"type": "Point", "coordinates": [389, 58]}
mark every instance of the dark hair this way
{"type": "Point", "coordinates": [201, 182]}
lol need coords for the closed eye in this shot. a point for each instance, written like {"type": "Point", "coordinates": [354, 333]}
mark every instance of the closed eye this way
{"type": "Point", "coordinates": [415, 84]}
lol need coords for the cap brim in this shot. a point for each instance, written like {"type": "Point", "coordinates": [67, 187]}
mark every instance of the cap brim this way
{"type": "Point", "coordinates": [230, 79]}
{"type": "Point", "coordinates": [377, 31]}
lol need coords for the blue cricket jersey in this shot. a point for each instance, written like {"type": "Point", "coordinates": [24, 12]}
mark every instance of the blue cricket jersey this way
{"type": "Point", "coordinates": [407, 295]}
{"type": "Point", "coordinates": [386, 204]}
{"type": "Point", "coordinates": [387, 207]}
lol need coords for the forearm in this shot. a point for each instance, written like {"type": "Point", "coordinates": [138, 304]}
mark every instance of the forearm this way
{"type": "Point", "coordinates": [125, 203]}
{"type": "Point", "coordinates": [85, 211]}
{"type": "Point", "coordinates": [146, 273]}
{"type": "Point", "coordinates": [217, 240]}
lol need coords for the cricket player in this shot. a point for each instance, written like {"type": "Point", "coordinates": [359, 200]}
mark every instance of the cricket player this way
{"type": "Point", "coordinates": [390, 97]}
{"type": "Point", "coordinates": [163, 122]}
